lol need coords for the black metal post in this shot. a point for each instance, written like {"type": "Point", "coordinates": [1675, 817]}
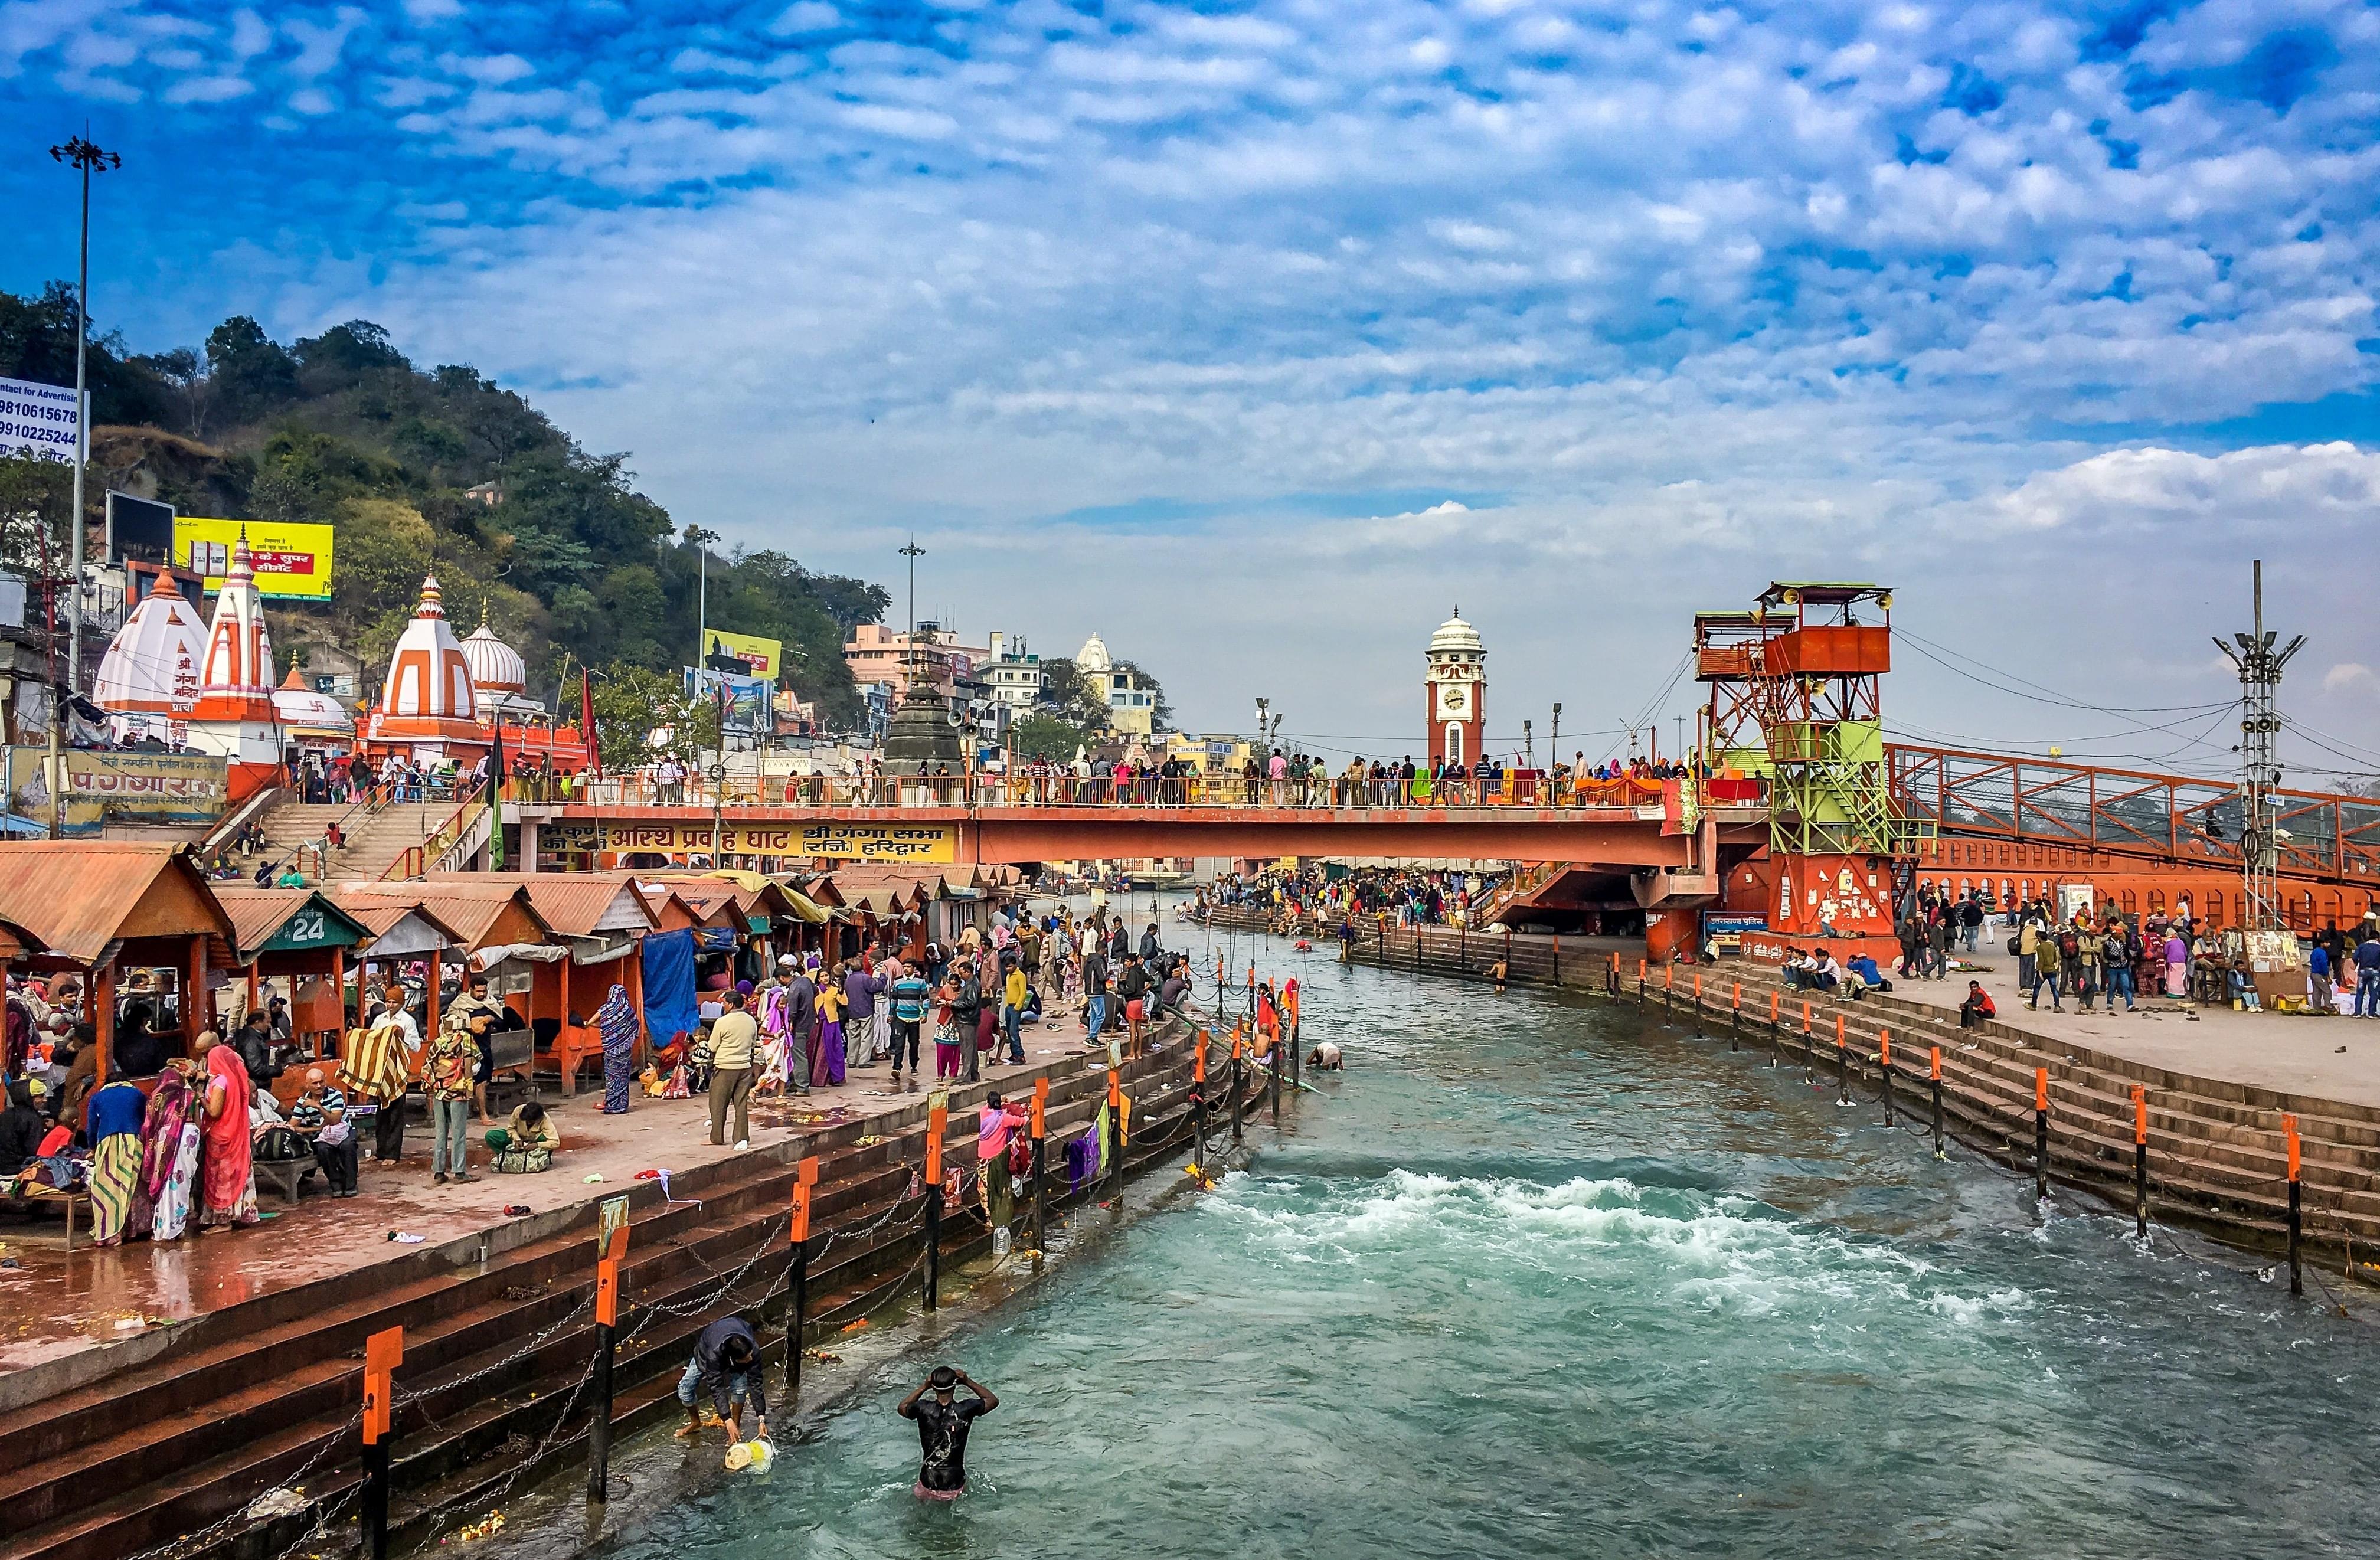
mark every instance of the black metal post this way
{"type": "Point", "coordinates": [1939, 1153]}
{"type": "Point", "coordinates": [1115, 1158]}
{"type": "Point", "coordinates": [2041, 1153]}
{"type": "Point", "coordinates": [375, 1508]}
{"type": "Point", "coordinates": [1041, 1198]}
{"type": "Point", "coordinates": [2296, 1230]}
{"type": "Point", "coordinates": [2141, 1190]}
{"type": "Point", "coordinates": [1885, 1069]}
{"type": "Point", "coordinates": [1198, 1125]}
{"type": "Point", "coordinates": [1842, 1073]}
{"type": "Point", "coordinates": [933, 1245]}
{"type": "Point", "coordinates": [1735, 1027]}
{"type": "Point", "coordinates": [1297, 1040]}
{"type": "Point", "coordinates": [599, 1428]}
{"type": "Point", "coordinates": [797, 1319]}
{"type": "Point", "coordinates": [1238, 1098]}
{"type": "Point", "coordinates": [1273, 1083]}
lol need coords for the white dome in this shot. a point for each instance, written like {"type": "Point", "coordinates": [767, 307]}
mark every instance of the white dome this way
{"type": "Point", "coordinates": [153, 663]}
{"type": "Point", "coordinates": [299, 705]}
{"type": "Point", "coordinates": [497, 670]}
{"type": "Point", "coordinates": [1453, 636]}
{"type": "Point", "coordinates": [1093, 656]}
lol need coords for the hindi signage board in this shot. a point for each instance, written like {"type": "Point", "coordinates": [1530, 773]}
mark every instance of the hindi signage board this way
{"type": "Point", "coordinates": [127, 787]}
{"type": "Point", "coordinates": [842, 841]}
{"type": "Point", "coordinates": [291, 560]}
{"type": "Point", "coordinates": [37, 418]}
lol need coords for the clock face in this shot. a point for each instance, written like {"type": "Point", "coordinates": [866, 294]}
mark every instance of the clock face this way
{"type": "Point", "coordinates": [1451, 701]}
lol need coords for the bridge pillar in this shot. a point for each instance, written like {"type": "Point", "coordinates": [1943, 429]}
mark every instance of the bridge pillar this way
{"type": "Point", "coordinates": [1668, 932]}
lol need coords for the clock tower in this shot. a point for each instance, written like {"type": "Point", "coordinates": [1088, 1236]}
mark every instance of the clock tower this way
{"type": "Point", "coordinates": [1455, 692]}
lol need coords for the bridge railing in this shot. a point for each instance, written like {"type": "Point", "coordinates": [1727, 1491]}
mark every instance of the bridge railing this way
{"type": "Point", "coordinates": [1152, 792]}
{"type": "Point", "coordinates": [2128, 812]}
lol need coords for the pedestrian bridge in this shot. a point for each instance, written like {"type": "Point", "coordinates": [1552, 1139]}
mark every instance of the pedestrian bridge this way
{"type": "Point", "coordinates": [1630, 826]}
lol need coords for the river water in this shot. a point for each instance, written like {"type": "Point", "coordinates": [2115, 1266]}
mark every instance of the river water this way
{"type": "Point", "coordinates": [1537, 1277]}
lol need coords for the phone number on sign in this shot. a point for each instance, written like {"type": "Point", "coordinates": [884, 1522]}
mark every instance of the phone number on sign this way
{"type": "Point", "coordinates": [35, 433]}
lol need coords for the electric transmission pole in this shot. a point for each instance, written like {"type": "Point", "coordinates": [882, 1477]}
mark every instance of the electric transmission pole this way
{"type": "Point", "coordinates": [2260, 724]}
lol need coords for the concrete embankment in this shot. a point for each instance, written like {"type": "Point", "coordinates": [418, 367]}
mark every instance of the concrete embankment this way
{"type": "Point", "coordinates": [498, 1343]}
{"type": "Point", "coordinates": [2218, 1157]}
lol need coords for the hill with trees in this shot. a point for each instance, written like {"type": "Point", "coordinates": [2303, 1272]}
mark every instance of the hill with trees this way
{"type": "Point", "coordinates": [417, 468]}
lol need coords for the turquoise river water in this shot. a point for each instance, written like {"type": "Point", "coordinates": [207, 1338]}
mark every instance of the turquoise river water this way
{"type": "Point", "coordinates": [1537, 1276]}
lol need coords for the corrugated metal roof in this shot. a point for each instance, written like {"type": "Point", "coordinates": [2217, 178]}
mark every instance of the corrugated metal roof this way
{"type": "Point", "coordinates": [578, 904]}
{"type": "Point", "coordinates": [378, 916]}
{"type": "Point", "coordinates": [258, 915]}
{"type": "Point", "coordinates": [469, 909]}
{"type": "Point", "coordinates": [79, 895]}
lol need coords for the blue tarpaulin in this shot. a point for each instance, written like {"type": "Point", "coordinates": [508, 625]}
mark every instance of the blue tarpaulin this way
{"type": "Point", "coordinates": [670, 1006]}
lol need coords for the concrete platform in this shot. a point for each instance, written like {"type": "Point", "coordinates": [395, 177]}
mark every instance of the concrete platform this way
{"type": "Point", "coordinates": [57, 1304]}
{"type": "Point", "coordinates": [2335, 1057]}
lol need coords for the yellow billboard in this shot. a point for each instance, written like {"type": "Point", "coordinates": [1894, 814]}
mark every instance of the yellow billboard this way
{"type": "Point", "coordinates": [759, 654]}
{"type": "Point", "coordinates": [292, 559]}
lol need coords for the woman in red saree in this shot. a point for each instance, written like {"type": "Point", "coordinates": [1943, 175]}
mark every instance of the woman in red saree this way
{"type": "Point", "coordinates": [225, 1176]}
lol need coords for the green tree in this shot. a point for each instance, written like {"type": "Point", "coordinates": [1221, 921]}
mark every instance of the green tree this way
{"type": "Point", "coordinates": [35, 493]}
{"type": "Point", "coordinates": [252, 371]}
{"type": "Point", "coordinates": [1044, 735]}
{"type": "Point", "coordinates": [642, 716]}
{"type": "Point", "coordinates": [1072, 694]}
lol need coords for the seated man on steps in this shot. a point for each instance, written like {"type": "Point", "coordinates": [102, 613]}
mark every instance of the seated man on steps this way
{"type": "Point", "coordinates": [1977, 1006]}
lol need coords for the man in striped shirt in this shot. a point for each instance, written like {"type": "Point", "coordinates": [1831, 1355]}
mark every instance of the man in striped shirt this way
{"type": "Point", "coordinates": [319, 1116]}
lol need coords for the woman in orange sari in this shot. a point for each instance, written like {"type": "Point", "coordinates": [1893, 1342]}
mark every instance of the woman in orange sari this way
{"type": "Point", "coordinates": [228, 1188]}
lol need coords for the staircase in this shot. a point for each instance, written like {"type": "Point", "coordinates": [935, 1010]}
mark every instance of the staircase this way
{"type": "Point", "coordinates": [496, 1341]}
{"type": "Point", "coordinates": [2216, 1149]}
{"type": "Point", "coordinates": [377, 839]}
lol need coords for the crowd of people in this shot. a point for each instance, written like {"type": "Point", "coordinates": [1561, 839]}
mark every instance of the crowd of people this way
{"type": "Point", "coordinates": [1408, 897]}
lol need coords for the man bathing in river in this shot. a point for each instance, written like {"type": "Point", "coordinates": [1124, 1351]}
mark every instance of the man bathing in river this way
{"type": "Point", "coordinates": [942, 1424]}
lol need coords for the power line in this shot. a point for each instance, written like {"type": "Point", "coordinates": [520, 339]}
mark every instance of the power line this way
{"type": "Point", "coordinates": [2036, 692]}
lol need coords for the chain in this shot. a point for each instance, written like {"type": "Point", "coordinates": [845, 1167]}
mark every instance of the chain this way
{"type": "Point", "coordinates": [239, 1512]}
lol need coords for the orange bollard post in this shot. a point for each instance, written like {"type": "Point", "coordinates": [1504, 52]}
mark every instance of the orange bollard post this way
{"type": "Point", "coordinates": [2297, 1209]}
{"type": "Point", "coordinates": [2139, 1162]}
{"type": "Point", "coordinates": [938, 1124]}
{"type": "Point", "coordinates": [607, 1333]}
{"type": "Point", "coordinates": [1936, 1081]}
{"type": "Point", "coordinates": [2041, 1132]}
{"type": "Point", "coordinates": [383, 1352]}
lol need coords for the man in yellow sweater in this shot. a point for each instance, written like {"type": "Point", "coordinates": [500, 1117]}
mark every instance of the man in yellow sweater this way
{"type": "Point", "coordinates": [734, 1037]}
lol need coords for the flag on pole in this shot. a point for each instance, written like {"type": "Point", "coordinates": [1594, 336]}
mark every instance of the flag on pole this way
{"type": "Point", "coordinates": [587, 723]}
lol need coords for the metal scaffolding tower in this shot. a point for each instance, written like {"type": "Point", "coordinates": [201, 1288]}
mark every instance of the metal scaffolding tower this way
{"type": "Point", "coordinates": [2260, 776]}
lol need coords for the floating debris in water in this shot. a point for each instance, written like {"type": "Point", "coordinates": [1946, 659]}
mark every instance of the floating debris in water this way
{"type": "Point", "coordinates": [487, 1527]}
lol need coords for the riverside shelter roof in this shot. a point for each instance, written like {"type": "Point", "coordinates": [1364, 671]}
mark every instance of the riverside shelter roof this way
{"type": "Point", "coordinates": [264, 918]}
{"type": "Point", "coordinates": [577, 905]}
{"type": "Point", "coordinates": [80, 897]}
{"type": "Point", "coordinates": [479, 914]}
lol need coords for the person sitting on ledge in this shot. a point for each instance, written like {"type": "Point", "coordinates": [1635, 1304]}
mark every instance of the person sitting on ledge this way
{"type": "Point", "coordinates": [1826, 974]}
{"type": "Point", "coordinates": [1977, 1006]}
{"type": "Point", "coordinates": [525, 1144]}
{"type": "Point", "coordinates": [1862, 976]}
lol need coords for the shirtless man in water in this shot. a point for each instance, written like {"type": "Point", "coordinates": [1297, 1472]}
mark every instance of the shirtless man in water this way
{"type": "Point", "coordinates": [942, 1424]}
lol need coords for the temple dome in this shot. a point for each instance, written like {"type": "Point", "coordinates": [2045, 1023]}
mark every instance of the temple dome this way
{"type": "Point", "coordinates": [1456, 636]}
{"type": "Point", "coordinates": [497, 670]}
{"type": "Point", "coordinates": [1093, 657]}
{"type": "Point", "coordinates": [301, 707]}
{"type": "Point", "coordinates": [236, 684]}
{"type": "Point", "coordinates": [153, 663]}
{"type": "Point", "coordinates": [429, 693]}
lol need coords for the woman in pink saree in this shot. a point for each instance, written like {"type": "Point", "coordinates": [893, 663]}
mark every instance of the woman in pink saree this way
{"type": "Point", "coordinates": [229, 1189]}
{"type": "Point", "coordinates": [161, 1203]}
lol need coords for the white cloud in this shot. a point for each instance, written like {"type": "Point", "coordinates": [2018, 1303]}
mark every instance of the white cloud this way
{"type": "Point", "coordinates": [2276, 487]}
{"type": "Point", "coordinates": [2350, 677]}
{"type": "Point", "coordinates": [805, 16]}
{"type": "Point", "coordinates": [207, 89]}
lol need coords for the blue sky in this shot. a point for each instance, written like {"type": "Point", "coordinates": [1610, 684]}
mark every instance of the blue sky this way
{"type": "Point", "coordinates": [1256, 337]}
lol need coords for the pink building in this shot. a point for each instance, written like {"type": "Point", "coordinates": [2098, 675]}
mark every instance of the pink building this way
{"type": "Point", "coordinates": [878, 654]}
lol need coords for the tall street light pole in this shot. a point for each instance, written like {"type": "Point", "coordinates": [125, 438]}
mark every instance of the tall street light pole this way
{"type": "Point", "coordinates": [82, 155]}
{"type": "Point", "coordinates": [702, 540]}
{"type": "Point", "coordinates": [909, 641]}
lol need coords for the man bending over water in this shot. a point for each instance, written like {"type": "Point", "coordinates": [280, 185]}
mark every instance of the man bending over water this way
{"type": "Point", "coordinates": [942, 1430]}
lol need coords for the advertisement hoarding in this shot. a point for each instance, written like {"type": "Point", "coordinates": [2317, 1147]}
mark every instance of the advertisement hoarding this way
{"type": "Point", "coordinates": [125, 787]}
{"type": "Point", "coordinates": [745, 711]}
{"type": "Point", "coordinates": [842, 841]}
{"type": "Point", "coordinates": [761, 654]}
{"type": "Point", "coordinates": [291, 560]}
{"type": "Point", "coordinates": [37, 418]}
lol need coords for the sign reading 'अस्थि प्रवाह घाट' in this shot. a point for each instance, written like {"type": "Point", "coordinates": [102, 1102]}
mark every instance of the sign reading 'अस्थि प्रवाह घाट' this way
{"type": "Point", "coordinates": [844, 842]}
